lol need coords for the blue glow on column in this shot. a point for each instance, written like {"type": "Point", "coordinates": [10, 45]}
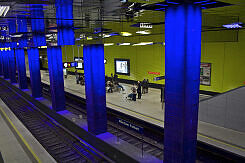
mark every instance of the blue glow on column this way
{"type": "Point", "coordinates": [12, 27]}
{"type": "Point", "coordinates": [94, 71]}
{"type": "Point", "coordinates": [55, 66]}
{"type": "Point", "coordinates": [1, 63]}
{"type": "Point", "coordinates": [64, 10]}
{"type": "Point", "coordinates": [183, 51]}
{"type": "Point", "coordinates": [6, 64]}
{"type": "Point", "coordinates": [21, 67]}
{"type": "Point", "coordinates": [22, 28]}
{"type": "Point", "coordinates": [35, 76]}
{"type": "Point", "coordinates": [38, 26]}
{"type": "Point", "coordinates": [12, 66]}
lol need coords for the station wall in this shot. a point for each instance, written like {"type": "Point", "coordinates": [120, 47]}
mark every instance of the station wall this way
{"type": "Point", "coordinates": [227, 59]}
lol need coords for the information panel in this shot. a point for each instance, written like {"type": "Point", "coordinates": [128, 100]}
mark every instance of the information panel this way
{"type": "Point", "coordinates": [205, 75]}
{"type": "Point", "coordinates": [80, 64]}
{"type": "Point", "coordinates": [122, 66]}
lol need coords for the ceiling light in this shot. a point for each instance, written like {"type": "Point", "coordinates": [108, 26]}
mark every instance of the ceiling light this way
{"type": "Point", "coordinates": [89, 38]}
{"type": "Point", "coordinates": [146, 32]}
{"type": "Point", "coordinates": [123, 44]}
{"type": "Point", "coordinates": [114, 34]}
{"type": "Point", "coordinates": [143, 43]}
{"type": "Point", "coordinates": [4, 10]}
{"type": "Point", "coordinates": [126, 34]}
{"type": "Point", "coordinates": [233, 25]}
{"type": "Point", "coordinates": [201, 1]}
{"type": "Point", "coordinates": [108, 44]}
{"type": "Point", "coordinates": [20, 35]}
{"type": "Point", "coordinates": [105, 35]}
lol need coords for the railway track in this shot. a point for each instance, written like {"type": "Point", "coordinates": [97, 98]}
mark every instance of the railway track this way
{"type": "Point", "coordinates": [148, 145]}
{"type": "Point", "coordinates": [152, 139]}
{"type": "Point", "coordinates": [154, 144]}
{"type": "Point", "coordinates": [62, 145]}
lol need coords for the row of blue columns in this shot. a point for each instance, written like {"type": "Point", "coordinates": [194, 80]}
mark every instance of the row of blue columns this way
{"type": "Point", "coordinates": [21, 67]}
{"type": "Point", "coordinates": [183, 49]}
{"type": "Point", "coordinates": [35, 76]}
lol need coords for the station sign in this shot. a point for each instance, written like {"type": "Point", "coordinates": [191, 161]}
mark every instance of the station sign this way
{"type": "Point", "coordinates": [69, 64]}
{"type": "Point", "coordinates": [130, 126]}
{"type": "Point", "coordinates": [3, 28]}
{"type": "Point", "coordinates": [153, 73]}
{"type": "Point", "coordinates": [159, 78]}
{"type": "Point", "coordinates": [146, 25]}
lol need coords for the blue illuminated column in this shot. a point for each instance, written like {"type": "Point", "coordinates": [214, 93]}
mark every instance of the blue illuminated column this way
{"type": "Point", "coordinates": [1, 63]}
{"type": "Point", "coordinates": [21, 67]}
{"type": "Point", "coordinates": [183, 51]}
{"type": "Point", "coordinates": [35, 76]}
{"type": "Point", "coordinates": [64, 15]}
{"type": "Point", "coordinates": [38, 25]}
{"type": "Point", "coordinates": [55, 66]}
{"type": "Point", "coordinates": [6, 64]}
{"type": "Point", "coordinates": [22, 28]}
{"type": "Point", "coordinates": [38, 30]}
{"type": "Point", "coordinates": [12, 66]}
{"type": "Point", "coordinates": [94, 71]}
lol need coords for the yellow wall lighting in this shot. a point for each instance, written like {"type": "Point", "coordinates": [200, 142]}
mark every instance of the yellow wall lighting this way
{"type": "Point", "coordinates": [126, 34]}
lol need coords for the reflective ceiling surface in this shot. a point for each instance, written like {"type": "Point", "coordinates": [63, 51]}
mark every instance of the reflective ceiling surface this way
{"type": "Point", "coordinates": [115, 16]}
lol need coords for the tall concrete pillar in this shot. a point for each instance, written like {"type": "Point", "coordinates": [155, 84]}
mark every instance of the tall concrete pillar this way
{"type": "Point", "coordinates": [21, 68]}
{"type": "Point", "coordinates": [55, 67]}
{"type": "Point", "coordinates": [35, 76]}
{"type": "Point", "coordinates": [183, 52]}
{"type": "Point", "coordinates": [94, 71]}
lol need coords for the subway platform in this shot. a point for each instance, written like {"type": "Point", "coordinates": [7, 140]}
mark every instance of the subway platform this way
{"type": "Point", "coordinates": [151, 110]}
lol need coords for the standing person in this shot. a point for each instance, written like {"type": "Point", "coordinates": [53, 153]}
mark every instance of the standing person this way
{"type": "Point", "coordinates": [139, 90]}
{"type": "Point", "coordinates": [77, 77]}
{"type": "Point", "coordinates": [112, 77]}
{"type": "Point", "coordinates": [162, 93]}
{"type": "Point", "coordinates": [65, 72]}
{"type": "Point", "coordinates": [115, 78]}
{"type": "Point", "coordinates": [134, 92]}
{"type": "Point", "coordinates": [106, 78]}
{"type": "Point", "coordinates": [147, 85]}
{"type": "Point", "coordinates": [144, 86]}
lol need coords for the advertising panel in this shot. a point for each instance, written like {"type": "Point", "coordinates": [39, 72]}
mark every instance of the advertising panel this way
{"type": "Point", "coordinates": [205, 75]}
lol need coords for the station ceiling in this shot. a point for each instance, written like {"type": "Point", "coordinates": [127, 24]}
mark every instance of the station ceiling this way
{"type": "Point", "coordinates": [115, 16]}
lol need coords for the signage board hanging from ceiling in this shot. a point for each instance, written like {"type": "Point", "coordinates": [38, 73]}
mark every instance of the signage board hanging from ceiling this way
{"type": "Point", "coordinates": [146, 25]}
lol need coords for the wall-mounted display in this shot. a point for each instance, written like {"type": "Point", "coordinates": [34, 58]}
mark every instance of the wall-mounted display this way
{"type": "Point", "coordinates": [205, 75]}
{"type": "Point", "coordinates": [122, 66]}
{"type": "Point", "coordinates": [69, 64]}
{"type": "Point", "coordinates": [80, 64]}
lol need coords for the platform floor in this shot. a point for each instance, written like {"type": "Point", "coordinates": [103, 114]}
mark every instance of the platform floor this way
{"type": "Point", "coordinates": [10, 148]}
{"type": "Point", "coordinates": [151, 110]}
{"type": "Point", "coordinates": [17, 144]}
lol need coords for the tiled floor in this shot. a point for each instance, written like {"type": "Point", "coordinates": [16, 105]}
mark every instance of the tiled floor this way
{"type": "Point", "coordinates": [150, 109]}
